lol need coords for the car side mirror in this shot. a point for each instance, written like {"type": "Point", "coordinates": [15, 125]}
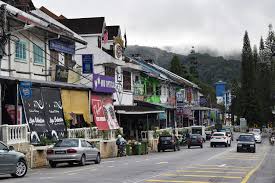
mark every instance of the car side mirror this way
{"type": "Point", "coordinates": [11, 148]}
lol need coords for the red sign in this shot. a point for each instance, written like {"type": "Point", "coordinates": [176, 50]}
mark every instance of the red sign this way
{"type": "Point", "coordinates": [103, 112]}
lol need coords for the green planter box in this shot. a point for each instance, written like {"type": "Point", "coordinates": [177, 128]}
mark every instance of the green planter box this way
{"type": "Point", "coordinates": [129, 150]}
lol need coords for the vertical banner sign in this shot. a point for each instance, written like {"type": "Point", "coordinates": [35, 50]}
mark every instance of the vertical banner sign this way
{"type": "Point", "coordinates": [98, 113]}
{"type": "Point", "coordinates": [25, 89]}
{"type": "Point", "coordinates": [34, 112]}
{"type": "Point", "coordinates": [87, 64]}
{"type": "Point", "coordinates": [104, 113]}
{"type": "Point", "coordinates": [54, 112]}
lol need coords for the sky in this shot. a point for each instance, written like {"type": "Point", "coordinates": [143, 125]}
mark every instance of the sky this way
{"type": "Point", "coordinates": [214, 26]}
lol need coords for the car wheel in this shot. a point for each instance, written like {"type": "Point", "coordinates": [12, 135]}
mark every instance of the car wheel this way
{"type": "Point", "coordinates": [201, 146]}
{"type": "Point", "coordinates": [189, 147]}
{"type": "Point", "coordinates": [52, 164]}
{"type": "Point", "coordinates": [175, 149]}
{"type": "Point", "coordinates": [211, 145]}
{"type": "Point", "coordinates": [226, 144]}
{"type": "Point", "coordinates": [238, 150]}
{"type": "Point", "coordinates": [98, 159]}
{"type": "Point", "coordinates": [158, 150]}
{"type": "Point", "coordinates": [229, 144]}
{"type": "Point", "coordinates": [21, 169]}
{"type": "Point", "coordinates": [71, 163]}
{"type": "Point", "coordinates": [82, 160]}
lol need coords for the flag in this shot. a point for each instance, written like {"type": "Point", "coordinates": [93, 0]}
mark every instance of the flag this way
{"type": "Point", "coordinates": [105, 37]}
{"type": "Point", "coordinates": [125, 38]}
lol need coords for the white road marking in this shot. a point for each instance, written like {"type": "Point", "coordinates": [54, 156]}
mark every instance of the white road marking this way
{"type": "Point", "coordinates": [108, 162]}
{"type": "Point", "coordinates": [79, 170]}
{"type": "Point", "coordinates": [217, 155]}
{"type": "Point", "coordinates": [222, 165]}
{"type": "Point", "coordinates": [111, 166]}
{"type": "Point", "coordinates": [164, 162]}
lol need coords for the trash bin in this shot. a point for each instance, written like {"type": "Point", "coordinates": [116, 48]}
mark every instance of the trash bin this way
{"type": "Point", "coordinates": [136, 149]}
{"type": "Point", "coordinates": [128, 149]}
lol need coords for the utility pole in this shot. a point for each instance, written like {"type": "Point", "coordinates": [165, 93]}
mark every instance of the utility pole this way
{"type": "Point", "coordinates": [3, 41]}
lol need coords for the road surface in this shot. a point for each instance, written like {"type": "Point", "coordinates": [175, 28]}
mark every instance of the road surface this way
{"type": "Point", "coordinates": [194, 165]}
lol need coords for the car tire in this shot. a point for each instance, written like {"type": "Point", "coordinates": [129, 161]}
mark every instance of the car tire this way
{"type": "Point", "coordinates": [21, 169]}
{"type": "Point", "coordinates": [98, 159]}
{"type": "Point", "coordinates": [175, 149]}
{"type": "Point", "coordinates": [211, 145]}
{"type": "Point", "coordinates": [229, 145]}
{"type": "Point", "coordinates": [158, 150]}
{"type": "Point", "coordinates": [189, 147]}
{"type": "Point", "coordinates": [201, 146]}
{"type": "Point", "coordinates": [82, 161]}
{"type": "Point", "coordinates": [52, 164]}
{"type": "Point", "coordinates": [226, 144]}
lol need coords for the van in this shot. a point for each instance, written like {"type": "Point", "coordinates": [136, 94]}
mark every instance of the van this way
{"type": "Point", "coordinates": [199, 130]}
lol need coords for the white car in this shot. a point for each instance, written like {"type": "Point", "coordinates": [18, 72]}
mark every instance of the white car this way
{"type": "Point", "coordinates": [220, 138]}
{"type": "Point", "coordinates": [258, 137]}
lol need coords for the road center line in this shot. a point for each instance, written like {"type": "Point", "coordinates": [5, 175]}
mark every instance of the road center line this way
{"type": "Point", "coordinates": [203, 176]}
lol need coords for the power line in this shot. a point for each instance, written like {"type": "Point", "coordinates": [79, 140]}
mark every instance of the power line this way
{"type": "Point", "coordinates": [55, 61]}
{"type": "Point", "coordinates": [63, 56]}
{"type": "Point", "coordinates": [53, 57]}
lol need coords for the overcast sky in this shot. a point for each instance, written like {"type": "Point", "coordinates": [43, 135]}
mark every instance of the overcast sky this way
{"type": "Point", "coordinates": [177, 24]}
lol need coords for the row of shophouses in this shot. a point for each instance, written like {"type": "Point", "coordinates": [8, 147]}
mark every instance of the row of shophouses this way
{"type": "Point", "coordinates": [61, 74]}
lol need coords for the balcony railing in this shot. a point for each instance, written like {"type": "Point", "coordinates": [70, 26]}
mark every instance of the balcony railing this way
{"type": "Point", "coordinates": [14, 134]}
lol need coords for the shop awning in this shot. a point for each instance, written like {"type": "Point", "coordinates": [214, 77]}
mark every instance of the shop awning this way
{"type": "Point", "coordinates": [149, 104]}
{"type": "Point", "coordinates": [136, 110]}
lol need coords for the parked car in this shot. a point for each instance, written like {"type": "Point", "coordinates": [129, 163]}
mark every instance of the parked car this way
{"type": "Point", "coordinates": [220, 138]}
{"type": "Point", "coordinates": [12, 162]}
{"type": "Point", "coordinates": [195, 140]}
{"type": "Point", "coordinates": [168, 142]}
{"type": "Point", "coordinates": [246, 142]}
{"type": "Point", "coordinates": [73, 151]}
{"type": "Point", "coordinates": [208, 135]}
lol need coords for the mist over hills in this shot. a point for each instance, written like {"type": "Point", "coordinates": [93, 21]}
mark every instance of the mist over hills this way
{"type": "Point", "coordinates": [211, 68]}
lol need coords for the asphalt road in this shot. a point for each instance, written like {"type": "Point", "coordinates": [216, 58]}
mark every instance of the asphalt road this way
{"type": "Point", "coordinates": [194, 165]}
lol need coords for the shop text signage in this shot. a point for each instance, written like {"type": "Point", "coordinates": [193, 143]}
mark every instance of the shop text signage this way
{"type": "Point", "coordinates": [103, 83]}
{"type": "Point", "coordinates": [87, 64]}
{"type": "Point", "coordinates": [62, 46]}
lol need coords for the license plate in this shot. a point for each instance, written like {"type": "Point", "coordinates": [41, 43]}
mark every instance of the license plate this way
{"type": "Point", "coordinates": [60, 152]}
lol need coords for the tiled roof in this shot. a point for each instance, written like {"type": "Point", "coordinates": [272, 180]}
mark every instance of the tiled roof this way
{"type": "Point", "coordinates": [85, 25]}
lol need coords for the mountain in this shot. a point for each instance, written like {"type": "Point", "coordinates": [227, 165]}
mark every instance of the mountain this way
{"type": "Point", "coordinates": [211, 69]}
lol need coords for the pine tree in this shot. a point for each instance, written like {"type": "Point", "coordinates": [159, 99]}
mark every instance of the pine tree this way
{"type": "Point", "coordinates": [176, 66]}
{"type": "Point", "coordinates": [248, 94]}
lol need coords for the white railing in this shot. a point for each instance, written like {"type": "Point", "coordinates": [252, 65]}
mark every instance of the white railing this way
{"type": "Point", "coordinates": [92, 133]}
{"type": "Point", "coordinates": [14, 134]}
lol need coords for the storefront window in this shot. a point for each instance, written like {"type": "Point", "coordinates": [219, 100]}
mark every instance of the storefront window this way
{"type": "Point", "coordinates": [127, 80]}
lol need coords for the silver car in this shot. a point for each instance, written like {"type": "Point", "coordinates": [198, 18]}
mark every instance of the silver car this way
{"type": "Point", "coordinates": [12, 162]}
{"type": "Point", "coordinates": [73, 151]}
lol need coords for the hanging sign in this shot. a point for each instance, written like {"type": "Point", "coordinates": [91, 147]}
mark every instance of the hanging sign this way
{"type": "Point", "coordinates": [87, 64]}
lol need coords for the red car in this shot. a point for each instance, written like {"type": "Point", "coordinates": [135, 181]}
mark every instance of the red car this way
{"type": "Point", "coordinates": [195, 140]}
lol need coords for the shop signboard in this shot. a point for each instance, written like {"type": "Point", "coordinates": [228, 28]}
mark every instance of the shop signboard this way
{"type": "Point", "coordinates": [105, 84]}
{"type": "Point", "coordinates": [25, 88]}
{"type": "Point", "coordinates": [62, 46]}
{"type": "Point", "coordinates": [54, 112]}
{"type": "Point", "coordinates": [103, 112]}
{"type": "Point", "coordinates": [87, 63]}
{"type": "Point", "coordinates": [34, 113]}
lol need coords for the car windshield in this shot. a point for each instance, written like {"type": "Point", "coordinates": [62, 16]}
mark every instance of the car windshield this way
{"type": "Point", "coordinates": [196, 131]}
{"type": "Point", "coordinates": [67, 143]}
{"type": "Point", "coordinates": [218, 134]}
{"type": "Point", "coordinates": [246, 138]}
{"type": "Point", "coordinates": [194, 136]}
{"type": "Point", "coordinates": [165, 138]}
{"type": "Point", "coordinates": [2, 146]}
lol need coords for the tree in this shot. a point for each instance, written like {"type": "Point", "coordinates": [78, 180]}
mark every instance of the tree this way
{"type": "Point", "coordinates": [194, 64]}
{"type": "Point", "coordinates": [176, 66]}
{"type": "Point", "coordinates": [248, 94]}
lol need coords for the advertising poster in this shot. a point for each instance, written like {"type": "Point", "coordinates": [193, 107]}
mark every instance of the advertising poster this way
{"type": "Point", "coordinates": [54, 112]}
{"type": "Point", "coordinates": [34, 108]}
{"type": "Point", "coordinates": [103, 112]}
{"type": "Point", "coordinates": [11, 113]}
{"type": "Point", "coordinates": [44, 114]}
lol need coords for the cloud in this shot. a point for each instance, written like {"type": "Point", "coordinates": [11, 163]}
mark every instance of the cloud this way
{"type": "Point", "coordinates": [215, 24]}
